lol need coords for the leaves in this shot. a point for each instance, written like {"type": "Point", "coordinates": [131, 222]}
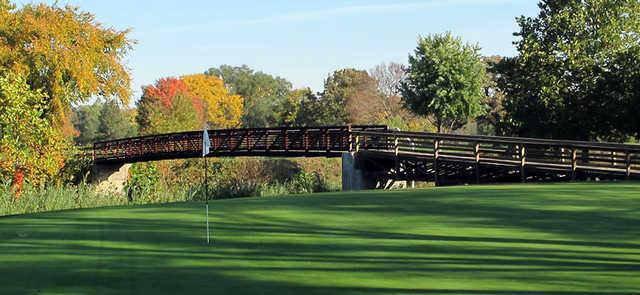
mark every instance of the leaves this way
{"type": "Point", "coordinates": [28, 141]}
{"type": "Point", "coordinates": [566, 81]}
{"type": "Point", "coordinates": [64, 52]}
{"type": "Point", "coordinates": [445, 78]}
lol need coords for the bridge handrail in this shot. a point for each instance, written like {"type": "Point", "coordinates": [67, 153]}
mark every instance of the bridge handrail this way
{"type": "Point", "coordinates": [199, 132]}
{"type": "Point", "coordinates": [505, 140]}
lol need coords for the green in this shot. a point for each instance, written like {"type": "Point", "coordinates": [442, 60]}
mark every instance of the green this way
{"type": "Point", "coordinates": [577, 238]}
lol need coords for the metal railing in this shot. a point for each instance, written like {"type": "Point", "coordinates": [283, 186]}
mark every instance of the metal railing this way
{"type": "Point", "coordinates": [325, 141]}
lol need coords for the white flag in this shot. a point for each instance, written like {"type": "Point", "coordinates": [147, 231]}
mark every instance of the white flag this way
{"type": "Point", "coordinates": [206, 143]}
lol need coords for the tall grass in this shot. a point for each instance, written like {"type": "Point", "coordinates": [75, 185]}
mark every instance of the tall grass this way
{"type": "Point", "coordinates": [52, 198]}
{"type": "Point", "coordinates": [142, 191]}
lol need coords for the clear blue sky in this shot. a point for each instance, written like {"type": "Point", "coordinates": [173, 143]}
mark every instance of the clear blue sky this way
{"type": "Point", "coordinates": [300, 40]}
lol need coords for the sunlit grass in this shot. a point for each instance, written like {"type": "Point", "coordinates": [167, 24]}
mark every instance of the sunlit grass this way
{"type": "Point", "coordinates": [515, 239]}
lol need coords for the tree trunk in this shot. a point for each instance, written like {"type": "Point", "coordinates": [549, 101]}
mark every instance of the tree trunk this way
{"type": "Point", "coordinates": [17, 183]}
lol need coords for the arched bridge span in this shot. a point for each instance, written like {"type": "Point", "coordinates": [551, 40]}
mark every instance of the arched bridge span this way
{"type": "Point", "coordinates": [380, 153]}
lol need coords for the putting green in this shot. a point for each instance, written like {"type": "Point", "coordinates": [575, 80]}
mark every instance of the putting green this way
{"type": "Point", "coordinates": [512, 239]}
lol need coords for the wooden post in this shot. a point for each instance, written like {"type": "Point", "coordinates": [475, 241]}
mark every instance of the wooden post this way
{"type": "Point", "coordinates": [436, 155]}
{"type": "Point", "coordinates": [327, 140]}
{"type": "Point", "coordinates": [286, 140]}
{"type": "Point", "coordinates": [306, 140]}
{"type": "Point", "coordinates": [266, 141]}
{"type": "Point", "coordinates": [249, 147]}
{"type": "Point", "coordinates": [628, 164]}
{"type": "Point", "coordinates": [523, 160]}
{"type": "Point", "coordinates": [574, 163]}
{"type": "Point", "coordinates": [476, 153]}
{"type": "Point", "coordinates": [350, 138]}
{"type": "Point", "coordinates": [396, 150]}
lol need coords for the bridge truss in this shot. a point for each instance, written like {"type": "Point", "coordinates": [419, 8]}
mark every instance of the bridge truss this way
{"type": "Point", "coordinates": [443, 158]}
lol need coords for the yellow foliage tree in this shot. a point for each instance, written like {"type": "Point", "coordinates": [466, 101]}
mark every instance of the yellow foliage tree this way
{"type": "Point", "coordinates": [224, 110]}
{"type": "Point", "coordinates": [65, 53]}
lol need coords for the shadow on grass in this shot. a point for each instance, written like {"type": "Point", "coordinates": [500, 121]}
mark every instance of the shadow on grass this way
{"type": "Point", "coordinates": [160, 249]}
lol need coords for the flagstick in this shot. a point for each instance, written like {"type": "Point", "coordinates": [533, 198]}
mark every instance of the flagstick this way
{"type": "Point", "coordinates": [206, 196]}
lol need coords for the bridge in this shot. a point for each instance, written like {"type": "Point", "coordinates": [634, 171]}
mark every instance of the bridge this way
{"type": "Point", "coordinates": [374, 156]}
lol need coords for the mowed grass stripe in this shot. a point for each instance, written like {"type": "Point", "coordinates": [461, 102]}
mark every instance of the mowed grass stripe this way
{"type": "Point", "coordinates": [577, 238]}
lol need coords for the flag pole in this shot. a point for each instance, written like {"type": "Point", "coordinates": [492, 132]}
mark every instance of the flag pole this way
{"type": "Point", "coordinates": [206, 195]}
{"type": "Point", "coordinates": [206, 147]}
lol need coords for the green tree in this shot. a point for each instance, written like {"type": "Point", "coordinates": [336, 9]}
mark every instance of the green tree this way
{"type": "Point", "coordinates": [445, 79]}
{"type": "Point", "coordinates": [316, 110]}
{"type": "Point", "coordinates": [572, 75]}
{"type": "Point", "coordinates": [114, 122]}
{"type": "Point", "coordinates": [355, 96]}
{"type": "Point", "coordinates": [29, 146]}
{"type": "Point", "coordinates": [263, 93]}
{"type": "Point", "coordinates": [86, 120]}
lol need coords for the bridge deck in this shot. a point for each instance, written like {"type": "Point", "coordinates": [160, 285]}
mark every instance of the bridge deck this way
{"type": "Point", "coordinates": [434, 156]}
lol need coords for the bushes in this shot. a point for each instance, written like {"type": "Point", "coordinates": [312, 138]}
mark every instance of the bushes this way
{"type": "Point", "coordinates": [177, 181]}
{"type": "Point", "coordinates": [250, 177]}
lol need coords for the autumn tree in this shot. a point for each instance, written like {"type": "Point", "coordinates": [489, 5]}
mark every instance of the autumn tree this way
{"type": "Point", "coordinates": [30, 147]}
{"type": "Point", "coordinates": [445, 80]}
{"type": "Point", "coordinates": [357, 94]}
{"type": "Point", "coordinates": [158, 103]}
{"type": "Point", "coordinates": [224, 110]}
{"type": "Point", "coordinates": [262, 93]}
{"type": "Point", "coordinates": [65, 53]}
{"type": "Point", "coordinates": [50, 58]}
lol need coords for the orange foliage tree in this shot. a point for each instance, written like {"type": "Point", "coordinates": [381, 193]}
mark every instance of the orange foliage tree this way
{"type": "Point", "coordinates": [209, 99]}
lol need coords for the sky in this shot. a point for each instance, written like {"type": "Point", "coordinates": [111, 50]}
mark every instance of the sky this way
{"type": "Point", "coordinates": [300, 40]}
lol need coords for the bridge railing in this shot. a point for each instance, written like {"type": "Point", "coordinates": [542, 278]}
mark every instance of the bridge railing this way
{"type": "Point", "coordinates": [530, 153]}
{"type": "Point", "coordinates": [286, 141]}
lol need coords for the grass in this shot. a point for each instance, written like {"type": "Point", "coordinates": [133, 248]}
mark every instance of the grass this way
{"type": "Point", "coordinates": [516, 239]}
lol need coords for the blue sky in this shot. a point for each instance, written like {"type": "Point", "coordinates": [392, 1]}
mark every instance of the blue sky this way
{"type": "Point", "coordinates": [302, 41]}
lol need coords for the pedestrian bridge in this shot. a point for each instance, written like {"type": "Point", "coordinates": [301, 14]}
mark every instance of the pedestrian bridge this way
{"type": "Point", "coordinates": [377, 156]}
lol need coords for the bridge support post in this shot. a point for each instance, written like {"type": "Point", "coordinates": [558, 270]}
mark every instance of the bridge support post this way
{"type": "Point", "coordinates": [352, 176]}
{"type": "Point", "coordinates": [110, 178]}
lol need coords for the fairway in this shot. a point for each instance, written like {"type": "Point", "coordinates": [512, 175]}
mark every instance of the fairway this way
{"type": "Point", "coordinates": [512, 239]}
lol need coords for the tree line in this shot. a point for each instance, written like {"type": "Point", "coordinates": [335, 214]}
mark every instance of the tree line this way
{"type": "Point", "coordinates": [576, 76]}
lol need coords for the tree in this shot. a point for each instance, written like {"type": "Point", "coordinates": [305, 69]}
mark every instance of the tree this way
{"type": "Point", "coordinates": [113, 122]}
{"type": "Point", "coordinates": [86, 120]}
{"type": "Point", "coordinates": [389, 77]}
{"type": "Point", "coordinates": [356, 96]}
{"type": "Point", "coordinates": [445, 79]}
{"type": "Point", "coordinates": [224, 110]}
{"type": "Point", "coordinates": [158, 104]}
{"type": "Point", "coordinates": [262, 93]}
{"type": "Point", "coordinates": [290, 112]}
{"type": "Point", "coordinates": [567, 80]}
{"type": "Point", "coordinates": [393, 113]}
{"type": "Point", "coordinates": [492, 121]}
{"type": "Point", "coordinates": [29, 146]}
{"type": "Point", "coordinates": [65, 53]}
